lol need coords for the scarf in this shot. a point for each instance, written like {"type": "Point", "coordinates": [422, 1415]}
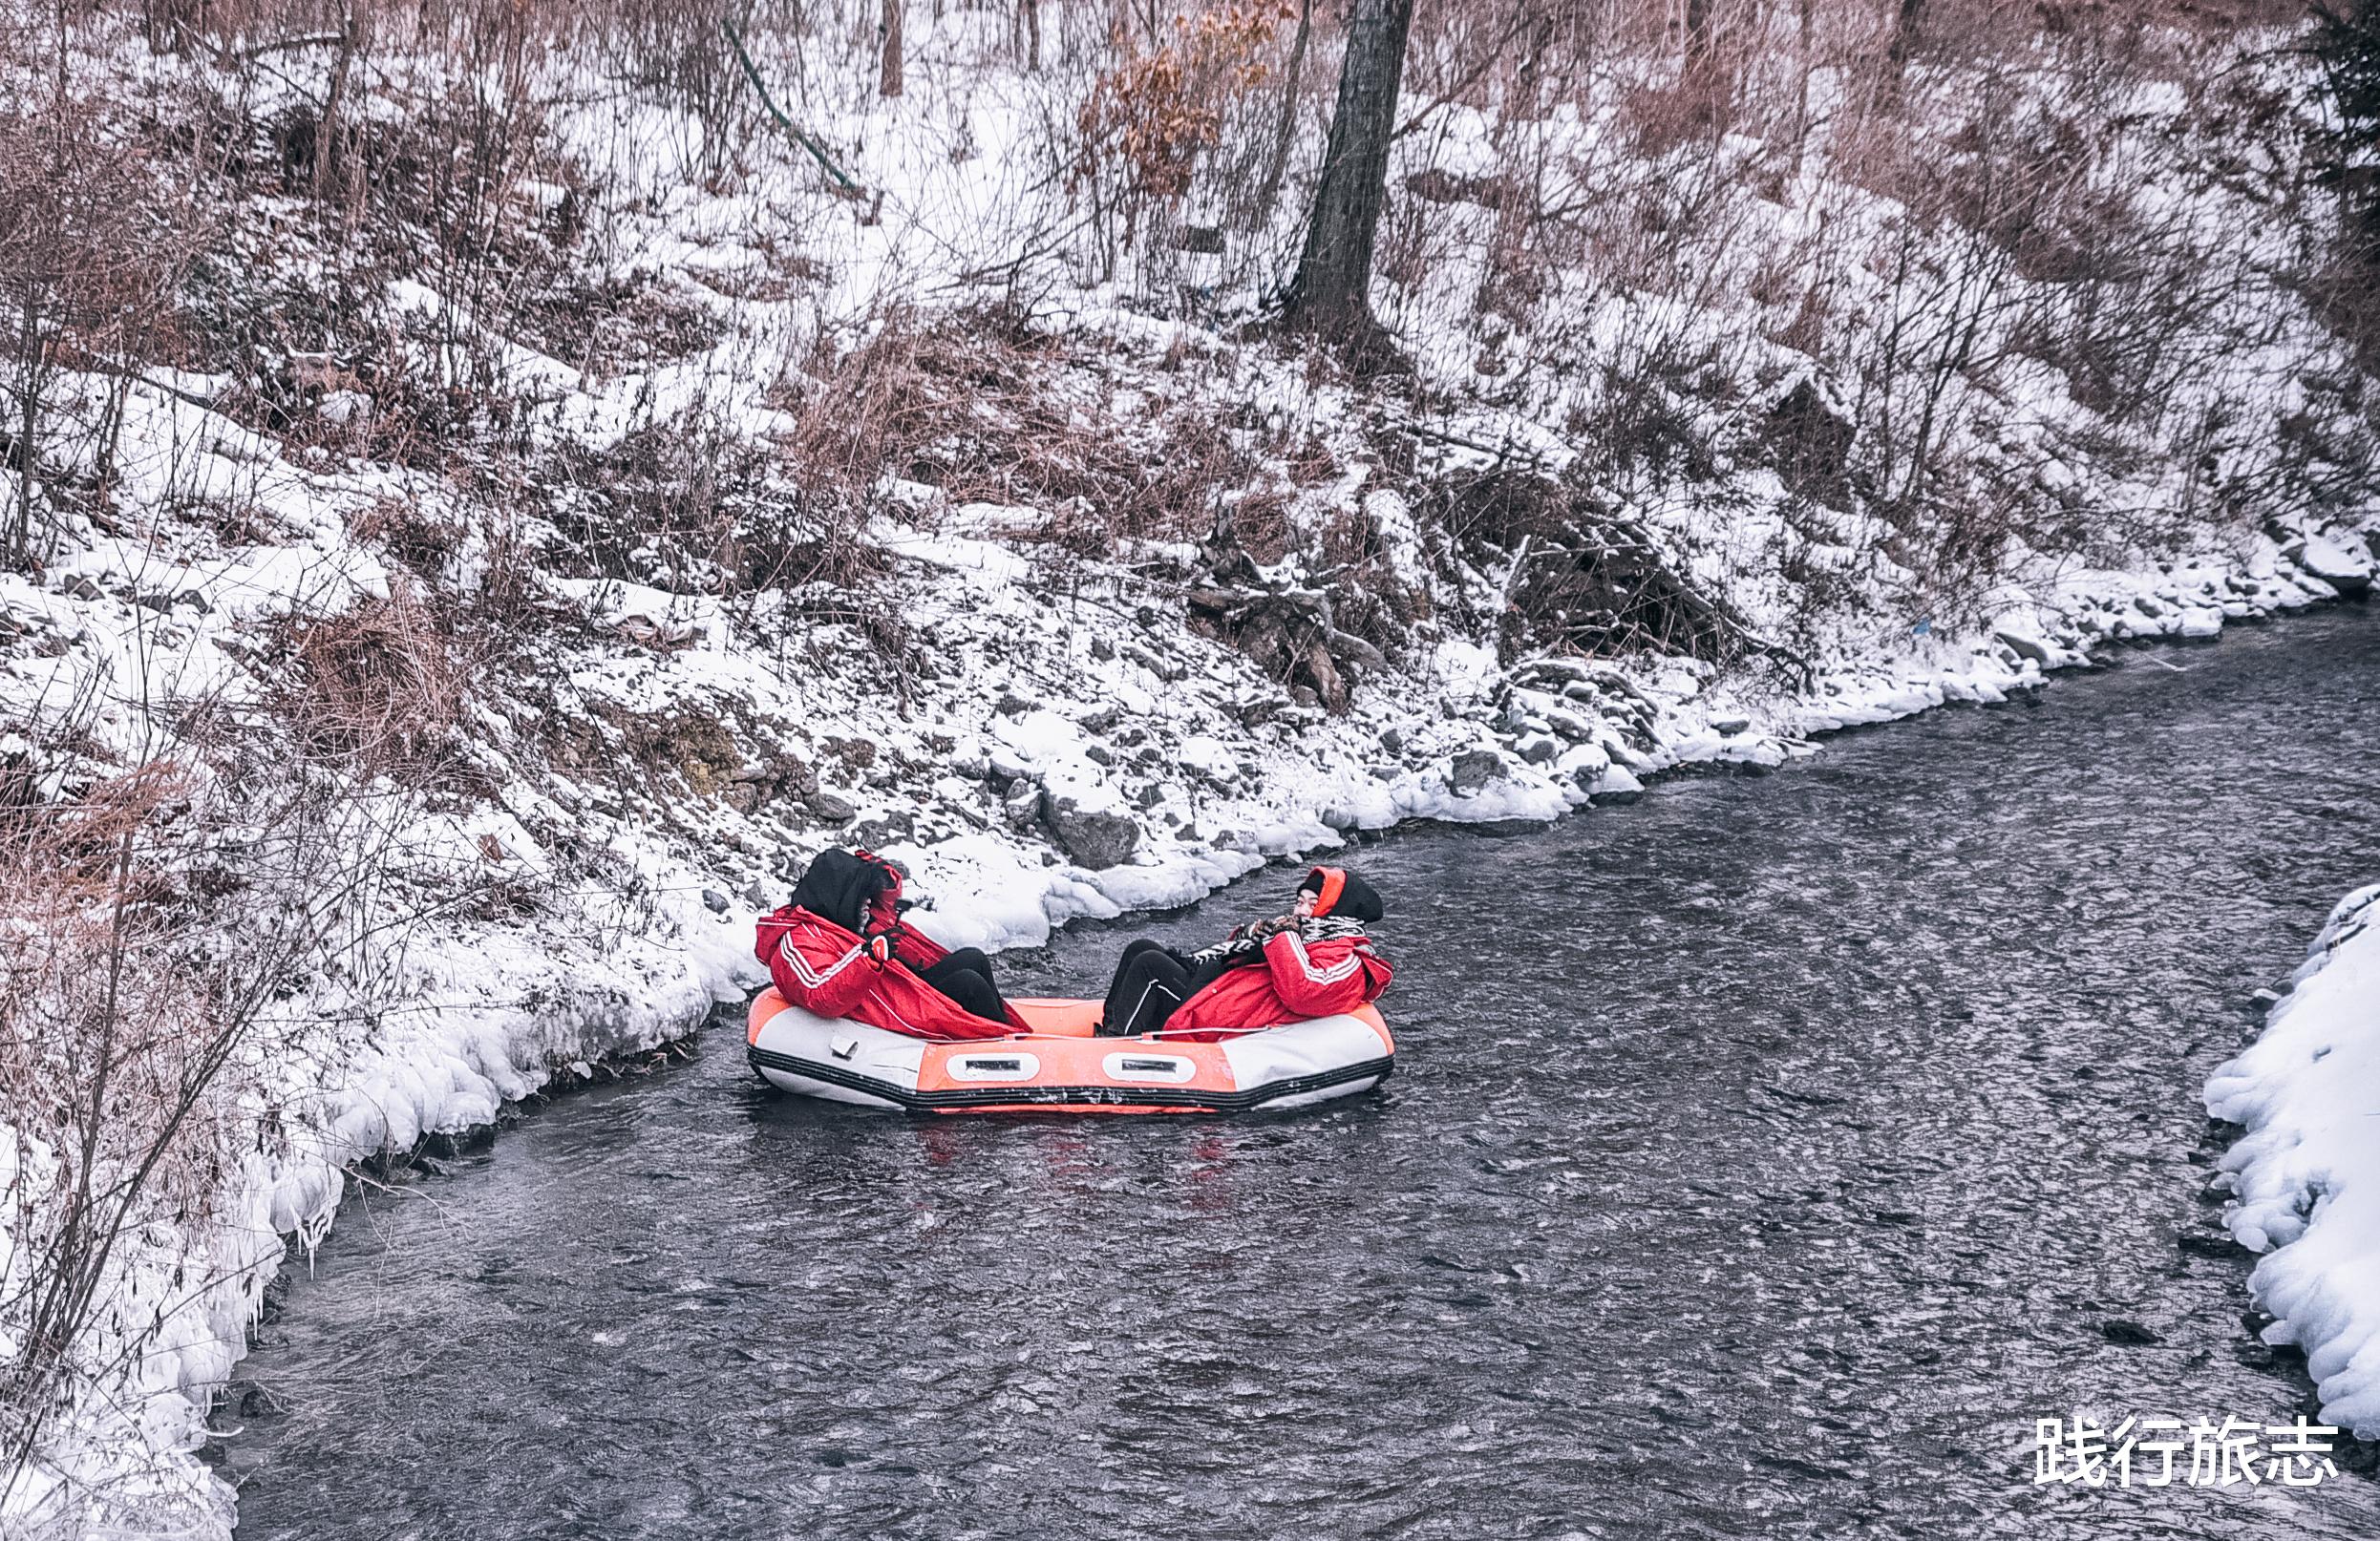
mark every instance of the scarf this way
{"type": "Point", "coordinates": [1247, 944]}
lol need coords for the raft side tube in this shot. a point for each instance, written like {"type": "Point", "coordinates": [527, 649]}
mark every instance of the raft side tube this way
{"type": "Point", "coordinates": [848, 1061]}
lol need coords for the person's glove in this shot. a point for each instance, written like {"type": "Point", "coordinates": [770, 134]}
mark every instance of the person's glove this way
{"type": "Point", "coordinates": [879, 946]}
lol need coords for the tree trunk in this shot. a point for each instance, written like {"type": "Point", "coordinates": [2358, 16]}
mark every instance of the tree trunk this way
{"type": "Point", "coordinates": [1286, 129]}
{"type": "Point", "coordinates": [328, 145]}
{"type": "Point", "coordinates": [1331, 290]}
{"type": "Point", "coordinates": [1805, 19]}
{"type": "Point", "coordinates": [1032, 36]}
{"type": "Point", "coordinates": [28, 435]}
{"type": "Point", "coordinates": [1705, 74]}
{"type": "Point", "coordinates": [1697, 36]}
{"type": "Point", "coordinates": [1904, 32]}
{"type": "Point", "coordinates": [888, 83]}
{"type": "Point", "coordinates": [1526, 90]}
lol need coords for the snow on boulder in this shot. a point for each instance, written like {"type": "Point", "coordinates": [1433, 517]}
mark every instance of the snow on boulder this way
{"type": "Point", "coordinates": [2306, 1173]}
{"type": "Point", "coordinates": [2345, 569]}
{"type": "Point", "coordinates": [1616, 784]}
{"type": "Point", "coordinates": [2019, 631]}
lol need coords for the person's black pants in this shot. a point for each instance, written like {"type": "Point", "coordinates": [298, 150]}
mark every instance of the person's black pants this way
{"type": "Point", "coordinates": [1151, 979]}
{"type": "Point", "coordinates": [965, 976]}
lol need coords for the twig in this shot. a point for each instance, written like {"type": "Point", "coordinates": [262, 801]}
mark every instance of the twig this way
{"type": "Point", "coordinates": [1505, 452]}
{"type": "Point", "coordinates": [752, 73]}
{"type": "Point", "coordinates": [289, 45]}
{"type": "Point", "coordinates": [1489, 57]}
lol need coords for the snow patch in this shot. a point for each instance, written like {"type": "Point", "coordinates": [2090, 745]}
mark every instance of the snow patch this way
{"type": "Point", "coordinates": [2306, 1173]}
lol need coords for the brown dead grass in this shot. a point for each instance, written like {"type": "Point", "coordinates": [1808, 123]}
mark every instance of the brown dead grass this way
{"type": "Point", "coordinates": [381, 688]}
{"type": "Point", "coordinates": [987, 410]}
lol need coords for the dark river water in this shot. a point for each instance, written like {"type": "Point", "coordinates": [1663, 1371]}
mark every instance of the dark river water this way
{"type": "Point", "coordinates": [1763, 1160]}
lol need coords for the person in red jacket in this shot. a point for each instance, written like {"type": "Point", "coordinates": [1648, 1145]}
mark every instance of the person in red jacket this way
{"type": "Point", "coordinates": [1314, 961]}
{"type": "Point", "coordinates": [840, 949]}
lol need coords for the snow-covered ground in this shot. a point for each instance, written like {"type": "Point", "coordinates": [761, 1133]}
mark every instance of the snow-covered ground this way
{"type": "Point", "coordinates": [1040, 731]}
{"type": "Point", "coordinates": [2306, 1173]}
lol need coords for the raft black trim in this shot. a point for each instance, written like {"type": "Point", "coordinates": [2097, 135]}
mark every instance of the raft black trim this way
{"type": "Point", "coordinates": [1010, 1094]}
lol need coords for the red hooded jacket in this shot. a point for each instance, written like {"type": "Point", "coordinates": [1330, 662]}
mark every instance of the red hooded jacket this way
{"type": "Point", "coordinates": [1298, 979]}
{"type": "Point", "coordinates": [824, 966]}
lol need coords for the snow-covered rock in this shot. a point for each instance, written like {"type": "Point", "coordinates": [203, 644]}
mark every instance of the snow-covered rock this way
{"type": "Point", "coordinates": [1474, 770]}
{"type": "Point", "coordinates": [1616, 784]}
{"type": "Point", "coordinates": [2345, 567]}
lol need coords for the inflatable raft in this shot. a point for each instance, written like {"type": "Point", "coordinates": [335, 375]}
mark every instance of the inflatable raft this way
{"type": "Point", "coordinates": [1060, 1066]}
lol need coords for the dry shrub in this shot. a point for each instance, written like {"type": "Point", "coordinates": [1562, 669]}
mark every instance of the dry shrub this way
{"type": "Point", "coordinates": [94, 237]}
{"type": "Point", "coordinates": [1661, 118]}
{"type": "Point", "coordinates": [1647, 418]}
{"type": "Point", "coordinates": [93, 1055]}
{"type": "Point", "coordinates": [689, 504]}
{"type": "Point", "coordinates": [1152, 115]}
{"type": "Point", "coordinates": [327, 363]}
{"type": "Point", "coordinates": [602, 324]}
{"type": "Point", "coordinates": [688, 751]}
{"type": "Point", "coordinates": [1577, 575]}
{"type": "Point", "coordinates": [2340, 292]}
{"type": "Point", "coordinates": [422, 537]}
{"type": "Point", "coordinates": [1259, 524]}
{"type": "Point", "coordinates": [430, 153]}
{"type": "Point", "coordinates": [1520, 269]}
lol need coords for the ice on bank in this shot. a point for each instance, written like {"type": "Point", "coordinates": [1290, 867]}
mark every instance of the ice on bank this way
{"type": "Point", "coordinates": [2307, 1175]}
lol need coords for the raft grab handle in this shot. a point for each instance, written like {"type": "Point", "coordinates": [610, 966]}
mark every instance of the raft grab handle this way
{"type": "Point", "coordinates": [994, 1066]}
{"type": "Point", "coordinates": [1169, 1067]}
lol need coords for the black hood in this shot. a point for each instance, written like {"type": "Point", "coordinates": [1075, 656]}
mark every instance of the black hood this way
{"type": "Point", "coordinates": [1342, 893]}
{"type": "Point", "coordinates": [838, 886]}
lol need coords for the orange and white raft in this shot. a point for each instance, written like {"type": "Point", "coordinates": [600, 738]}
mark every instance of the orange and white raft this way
{"type": "Point", "coordinates": [1059, 1066]}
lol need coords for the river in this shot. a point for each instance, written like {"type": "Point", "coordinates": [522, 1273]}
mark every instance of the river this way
{"type": "Point", "coordinates": [1763, 1160]}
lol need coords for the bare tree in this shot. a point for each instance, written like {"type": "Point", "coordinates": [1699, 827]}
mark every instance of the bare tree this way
{"type": "Point", "coordinates": [1287, 129]}
{"type": "Point", "coordinates": [329, 142]}
{"type": "Point", "coordinates": [1331, 290]}
{"type": "Point", "coordinates": [1697, 36]}
{"type": "Point", "coordinates": [888, 79]}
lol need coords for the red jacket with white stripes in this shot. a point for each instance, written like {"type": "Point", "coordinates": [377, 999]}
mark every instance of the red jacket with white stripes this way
{"type": "Point", "coordinates": [821, 966]}
{"type": "Point", "coordinates": [1298, 979]}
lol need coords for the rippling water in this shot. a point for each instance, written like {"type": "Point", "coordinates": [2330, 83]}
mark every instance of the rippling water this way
{"type": "Point", "coordinates": [1763, 1160]}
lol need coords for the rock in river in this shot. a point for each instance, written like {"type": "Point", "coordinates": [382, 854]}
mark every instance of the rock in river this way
{"type": "Point", "coordinates": [1616, 784]}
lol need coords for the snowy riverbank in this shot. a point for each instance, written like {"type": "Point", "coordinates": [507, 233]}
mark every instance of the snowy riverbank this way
{"type": "Point", "coordinates": [2306, 1173]}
